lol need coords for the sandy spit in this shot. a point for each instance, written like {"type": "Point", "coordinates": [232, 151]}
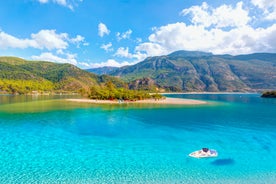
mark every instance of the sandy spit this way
{"type": "Point", "coordinates": [169, 101]}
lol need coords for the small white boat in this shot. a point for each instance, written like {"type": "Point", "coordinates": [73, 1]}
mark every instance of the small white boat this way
{"type": "Point", "coordinates": [204, 153]}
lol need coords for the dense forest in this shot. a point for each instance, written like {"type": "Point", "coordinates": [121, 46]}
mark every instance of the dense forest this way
{"type": "Point", "coordinates": [19, 76]}
{"type": "Point", "coordinates": [25, 86]}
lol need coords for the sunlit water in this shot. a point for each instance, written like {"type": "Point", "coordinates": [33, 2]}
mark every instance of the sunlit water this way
{"type": "Point", "coordinates": [54, 141]}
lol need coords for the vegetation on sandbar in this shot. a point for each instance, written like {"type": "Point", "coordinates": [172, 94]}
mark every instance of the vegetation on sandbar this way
{"type": "Point", "coordinates": [108, 91]}
{"type": "Point", "coordinates": [269, 94]}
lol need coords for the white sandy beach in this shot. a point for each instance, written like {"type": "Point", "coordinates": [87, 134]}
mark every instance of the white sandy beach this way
{"type": "Point", "coordinates": [169, 101]}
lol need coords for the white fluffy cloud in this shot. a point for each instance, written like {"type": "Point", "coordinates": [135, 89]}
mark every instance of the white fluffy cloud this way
{"type": "Point", "coordinates": [48, 56]}
{"type": "Point", "coordinates": [124, 53]}
{"type": "Point", "coordinates": [103, 30]}
{"type": "Point", "coordinates": [125, 35]}
{"type": "Point", "coordinates": [9, 41]}
{"type": "Point", "coordinates": [107, 47]}
{"type": "Point", "coordinates": [109, 62]}
{"type": "Point", "coordinates": [220, 30]}
{"type": "Point", "coordinates": [223, 16]}
{"type": "Point", "coordinates": [180, 36]}
{"type": "Point", "coordinates": [77, 39]}
{"type": "Point", "coordinates": [44, 39]}
{"type": "Point", "coordinates": [151, 49]}
{"type": "Point", "coordinates": [50, 40]}
{"type": "Point", "coordinates": [268, 6]}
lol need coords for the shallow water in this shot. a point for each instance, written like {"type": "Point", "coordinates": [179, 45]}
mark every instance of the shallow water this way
{"type": "Point", "coordinates": [53, 141]}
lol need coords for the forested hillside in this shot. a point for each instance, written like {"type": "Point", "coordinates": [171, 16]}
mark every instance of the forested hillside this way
{"type": "Point", "coordinates": [21, 76]}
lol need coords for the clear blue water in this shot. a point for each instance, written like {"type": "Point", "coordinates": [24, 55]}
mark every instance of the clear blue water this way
{"type": "Point", "coordinates": [53, 141]}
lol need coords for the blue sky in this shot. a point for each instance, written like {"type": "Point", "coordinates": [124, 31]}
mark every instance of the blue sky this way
{"type": "Point", "coordinates": [94, 33]}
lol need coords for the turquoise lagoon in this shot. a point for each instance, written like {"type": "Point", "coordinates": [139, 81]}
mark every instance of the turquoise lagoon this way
{"type": "Point", "coordinates": [49, 140]}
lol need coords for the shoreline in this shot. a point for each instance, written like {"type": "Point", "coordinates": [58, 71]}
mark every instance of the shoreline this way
{"type": "Point", "coordinates": [215, 93]}
{"type": "Point", "coordinates": [167, 101]}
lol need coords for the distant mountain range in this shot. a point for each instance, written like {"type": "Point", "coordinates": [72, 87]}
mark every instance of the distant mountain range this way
{"type": "Point", "coordinates": [102, 70]}
{"type": "Point", "coordinates": [200, 71]}
{"type": "Point", "coordinates": [178, 71]}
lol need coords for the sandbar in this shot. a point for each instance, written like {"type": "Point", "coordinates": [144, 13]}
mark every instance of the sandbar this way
{"type": "Point", "coordinates": [168, 101]}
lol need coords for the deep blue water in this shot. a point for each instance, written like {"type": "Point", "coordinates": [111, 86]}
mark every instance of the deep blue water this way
{"type": "Point", "coordinates": [53, 141]}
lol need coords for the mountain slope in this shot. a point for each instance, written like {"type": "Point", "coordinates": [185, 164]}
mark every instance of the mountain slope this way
{"type": "Point", "coordinates": [60, 76]}
{"type": "Point", "coordinates": [199, 71]}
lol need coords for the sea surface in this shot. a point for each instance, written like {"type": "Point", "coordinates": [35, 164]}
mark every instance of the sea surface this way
{"type": "Point", "coordinates": [44, 139]}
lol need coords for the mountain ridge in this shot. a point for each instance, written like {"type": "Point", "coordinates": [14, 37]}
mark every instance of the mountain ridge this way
{"type": "Point", "coordinates": [200, 71]}
{"type": "Point", "coordinates": [182, 71]}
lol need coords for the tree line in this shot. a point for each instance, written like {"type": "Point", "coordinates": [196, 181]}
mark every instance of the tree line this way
{"type": "Point", "coordinates": [108, 91]}
{"type": "Point", "coordinates": [24, 86]}
{"type": "Point", "coordinates": [103, 91]}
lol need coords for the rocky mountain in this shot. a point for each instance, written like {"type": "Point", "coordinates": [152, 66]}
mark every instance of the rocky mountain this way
{"type": "Point", "coordinates": [146, 84]}
{"type": "Point", "coordinates": [200, 71]}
